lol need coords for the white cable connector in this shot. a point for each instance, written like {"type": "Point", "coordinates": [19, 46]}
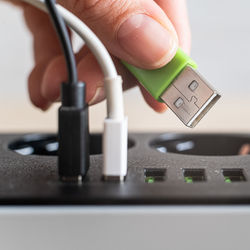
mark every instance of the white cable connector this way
{"type": "Point", "coordinates": [115, 137]}
{"type": "Point", "coordinates": [115, 144]}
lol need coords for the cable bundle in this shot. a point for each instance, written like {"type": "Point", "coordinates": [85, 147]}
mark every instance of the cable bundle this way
{"type": "Point", "coordinates": [115, 125]}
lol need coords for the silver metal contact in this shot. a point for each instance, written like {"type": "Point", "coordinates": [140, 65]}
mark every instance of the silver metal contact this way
{"type": "Point", "coordinates": [190, 97]}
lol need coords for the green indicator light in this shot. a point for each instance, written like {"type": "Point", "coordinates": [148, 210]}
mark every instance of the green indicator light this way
{"type": "Point", "coordinates": [188, 179]}
{"type": "Point", "coordinates": [228, 180]}
{"type": "Point", "coordinates": [150, 179]}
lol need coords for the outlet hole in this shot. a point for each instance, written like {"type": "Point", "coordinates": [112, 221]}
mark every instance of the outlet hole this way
{"type": "Point", "coordinates": [42, 144]}
{"type": "Point", "coordinates": [154, 175]}
{"type": "Point", "coordinates": [233, 175]}
{"type": "Point", "coordinates": [194, 175]}
{"type": "Point", "coordinates": [202, 144]}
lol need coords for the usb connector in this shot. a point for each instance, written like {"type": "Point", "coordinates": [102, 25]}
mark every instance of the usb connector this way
{"type": "Point", "coordinates": [115, 135]}
{"type": "Point", "coordinates": [180, 86]}
{"type": "Point", "coordinates": [190, 97]}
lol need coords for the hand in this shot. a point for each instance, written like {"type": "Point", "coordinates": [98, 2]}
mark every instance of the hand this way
{"type": "Point", "coordinates": [145, 33]}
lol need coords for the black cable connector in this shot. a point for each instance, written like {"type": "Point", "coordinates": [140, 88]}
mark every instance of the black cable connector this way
{"type": "Point", "coordinates": [73, 134]}
{"type": "Point", "coordinates": [73, 158]}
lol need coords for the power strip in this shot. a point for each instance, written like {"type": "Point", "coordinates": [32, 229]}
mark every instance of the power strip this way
{"type": "Point", "coordinates": [155, 175]}
{"type": "Point", "coordinates": [172, 198]}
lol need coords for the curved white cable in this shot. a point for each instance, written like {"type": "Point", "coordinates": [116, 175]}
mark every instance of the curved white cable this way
{"type": "Point", "coordinates": [113, 88]}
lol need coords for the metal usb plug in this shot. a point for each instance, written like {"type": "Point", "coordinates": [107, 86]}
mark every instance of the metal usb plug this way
{"type": "Point", "coordinates": [190, 97]}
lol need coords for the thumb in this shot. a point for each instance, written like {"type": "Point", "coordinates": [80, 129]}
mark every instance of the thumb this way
{"type": "Point", "coordinates": [138, 32]}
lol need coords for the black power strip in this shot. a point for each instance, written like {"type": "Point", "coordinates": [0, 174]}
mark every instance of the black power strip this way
{"type": "Point", "coordinates": [162, 169]}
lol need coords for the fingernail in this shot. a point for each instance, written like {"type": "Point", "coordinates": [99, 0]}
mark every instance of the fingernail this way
{"type": "Point", "coordinates": [98, 96]}
{"type": "Point", "coordinates": [146, 40]}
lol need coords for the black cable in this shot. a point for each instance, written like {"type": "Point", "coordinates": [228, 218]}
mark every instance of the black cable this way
{"type": "Point", "coordinates": [73, 129]}
{"type": "Point", "coordinates": [64, 40]}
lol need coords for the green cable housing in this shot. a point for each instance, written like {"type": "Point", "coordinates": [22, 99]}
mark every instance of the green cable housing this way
{"type": "Point", "coordinates": [158, 80]}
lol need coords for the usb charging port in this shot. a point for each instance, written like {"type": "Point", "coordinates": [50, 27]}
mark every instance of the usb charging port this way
{"type": "Point", "coordinates": [194, 175]}
{"type": "Point", "coordinates": [152, 175]}
{"type": "Point", "coordinates": [233, 175]}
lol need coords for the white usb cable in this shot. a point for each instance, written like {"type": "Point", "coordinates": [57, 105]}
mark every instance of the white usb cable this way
{"type": "Point", "coordinates": [115, 135]}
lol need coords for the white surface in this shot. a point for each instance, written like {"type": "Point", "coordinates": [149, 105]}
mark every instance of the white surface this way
{"type": "Point", "coordinates": [123, 228]}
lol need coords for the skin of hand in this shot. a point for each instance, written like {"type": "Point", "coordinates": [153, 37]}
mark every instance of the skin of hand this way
{"type": "Point", "coordinates": [145, 33]}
